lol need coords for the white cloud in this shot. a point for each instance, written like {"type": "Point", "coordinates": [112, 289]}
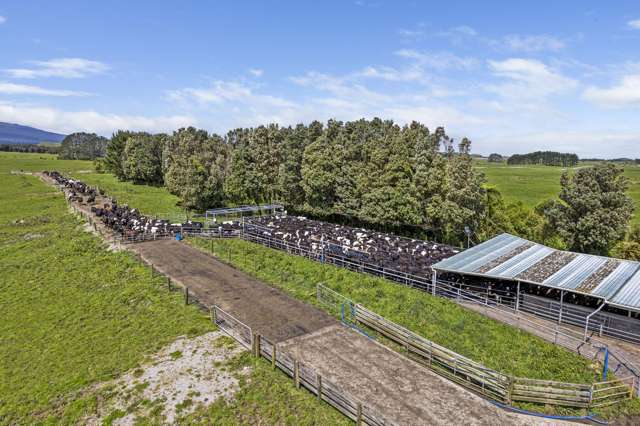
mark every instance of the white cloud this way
{"type": "Point", "coordinates": [439, 60]}
{"type": "Point", "coordinates": [625, 93]}
{"type": "Point", "coordinates": [60, 67]}
{"type": "Point", "coordinates": [533, 43]}
{"type": "Point", "coordinates": [257, 72]}
{"type": "Point", "coordinates": [2, 19]}
{"type": "Point", "coordinates": [91, 121]}
{"type": "Point", "coordinates": [23, 89]}
{"type": "Point", "coordinates": [634, 25]}
{"type": "Point", "coordinates": [403, 32]}
{"type": "Point", "coordinates": [528, 78]}
{"type": "Point", "coordinates": [392, 74]}
{"type": "Point", "coordinates": [221, 92]}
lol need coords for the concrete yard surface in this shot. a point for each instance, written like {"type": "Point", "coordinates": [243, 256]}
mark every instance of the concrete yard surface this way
{"type": "Point", "coordinates": [403, 391]}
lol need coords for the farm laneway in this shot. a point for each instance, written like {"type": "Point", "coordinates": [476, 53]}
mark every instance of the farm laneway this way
{"type": "Point", "coordinates": [393, 385]}
{"type": "Point", "coordinates": [401, 390]}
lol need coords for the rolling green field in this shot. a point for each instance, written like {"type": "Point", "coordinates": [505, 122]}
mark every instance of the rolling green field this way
{"type": "Point", "coordinates": [75, 314]}
{"type": "Point", "coordinates": [534, 184]}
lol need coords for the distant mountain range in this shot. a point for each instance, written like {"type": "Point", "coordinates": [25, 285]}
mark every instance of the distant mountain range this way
{"type": "Point", "coordinates": [18, 134]}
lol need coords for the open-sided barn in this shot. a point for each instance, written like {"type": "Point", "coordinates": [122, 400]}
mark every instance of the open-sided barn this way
{"type": "Point", "coordinates": [607, 287]}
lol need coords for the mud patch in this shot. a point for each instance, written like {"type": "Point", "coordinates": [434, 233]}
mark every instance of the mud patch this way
{"type": "Point", "coordinates": [184, 375]}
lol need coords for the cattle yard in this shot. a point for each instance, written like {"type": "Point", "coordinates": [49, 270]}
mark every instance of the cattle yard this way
{"type": "Point", "coordinates": [357, 249]}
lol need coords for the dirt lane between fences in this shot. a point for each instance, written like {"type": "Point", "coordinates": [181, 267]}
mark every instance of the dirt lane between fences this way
{"type": "Point", "coordinates": [266, 310]}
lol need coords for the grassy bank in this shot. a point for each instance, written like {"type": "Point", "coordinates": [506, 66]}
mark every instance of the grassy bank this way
{"type": "Point", "coordinates": [75, 314]}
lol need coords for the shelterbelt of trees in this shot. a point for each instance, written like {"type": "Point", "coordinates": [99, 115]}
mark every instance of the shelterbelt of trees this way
{"type": "Point", "coordinates": [547, 158]}
{"type": "Point", "coordinates": [371, 171]}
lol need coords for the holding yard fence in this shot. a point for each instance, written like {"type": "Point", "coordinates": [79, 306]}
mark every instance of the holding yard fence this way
{"type": "Point", "coordinates": [474, 376]}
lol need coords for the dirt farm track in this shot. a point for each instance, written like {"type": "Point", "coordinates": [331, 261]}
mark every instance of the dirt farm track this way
{"type": "Point", "coordinates": [402, 391]}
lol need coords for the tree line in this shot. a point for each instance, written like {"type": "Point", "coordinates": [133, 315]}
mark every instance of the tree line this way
{"type": "Point", "coordinates": [378, 174]}
{"type": "Point", "coordinates": [547, 158]}
{"type": "Point", "coordinates": [369, 170]}
{"type": "Point", "coordinates": [32, 148]}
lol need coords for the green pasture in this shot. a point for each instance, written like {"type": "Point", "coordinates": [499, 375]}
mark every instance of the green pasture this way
{"type": "Point", "coordinates": [75, 314]}
{"type": "Point", "coordinates": [534, 184]}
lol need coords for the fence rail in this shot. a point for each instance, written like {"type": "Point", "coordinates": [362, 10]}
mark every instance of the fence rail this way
{"type": "Point", "coordinates": [302, 374]}
{"type": "Point", "coordinates": [475, 376]}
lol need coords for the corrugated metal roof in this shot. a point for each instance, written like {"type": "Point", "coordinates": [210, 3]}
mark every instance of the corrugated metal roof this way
{"type": "Point", "coordinates": [610, 285]}
{"type": "Point", "coordinates": [470, 260]}
{"type": "Point", "coordinates": [575, 272]}
{"type": "Point", "coordinates": [629, 294]}
{"type": "Point", "coordinates": [521, 262]}
{"type": "Point", "coordinates": [620, 287]}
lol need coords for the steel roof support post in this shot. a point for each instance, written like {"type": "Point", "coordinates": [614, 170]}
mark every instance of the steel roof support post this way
{"type": "Point", "coordinates": [561, 306]}
{"type": "Point", "coordinates": [434, 279]}
{"type": "Point", "coordinates": [586, 324]}
{"type": "Point", "coordinates": [518, 297]}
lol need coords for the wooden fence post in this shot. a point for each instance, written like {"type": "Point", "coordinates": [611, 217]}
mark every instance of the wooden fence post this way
{"type": "Point", "coordinates": [359, 414]}
{"type": "Point", "coordinates": [510, 390]}
{"type": "Point", "coordinates": [319, 386]}
{"type": "Point", "coordinates": [168, 283]}
{"type": "Point", "coordinates": [273, 356]}
{"type": "Point", "coordinates": [256, 338]}
{"type": "Point", "coordinates": [296, 373]}
{"type": "Point", "coordinates": [186, 295]}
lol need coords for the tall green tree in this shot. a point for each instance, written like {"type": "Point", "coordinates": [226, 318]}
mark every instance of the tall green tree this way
{"type": "Point", "coordinates": [392, 199]}
{"type": "Point", "coordinates": [594, 209]}
{"type": "Point", "coordinates": [115, 153]}
{"type": "Point", "coordinates": [83, 146]}
{"type": "Point", "coordinates": [319, 170]}
{"type": "Point", "coordinates": [142, 158]}
{"type": "Point", "coordinates": [430, 173]}
{"type": "Point", "coordinates": [462, 201]}
{"type": "Point", "coordinates": [290, 191]}
{"type": "Point", "coordinates": [196, 165]}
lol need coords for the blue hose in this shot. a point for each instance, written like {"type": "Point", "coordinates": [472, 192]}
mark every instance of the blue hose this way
{"type": "Point", "coordinates": [590, 417]}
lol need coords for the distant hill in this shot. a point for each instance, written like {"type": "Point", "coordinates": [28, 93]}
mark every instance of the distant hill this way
{"type": "Point", "coordinates": [18, 134]}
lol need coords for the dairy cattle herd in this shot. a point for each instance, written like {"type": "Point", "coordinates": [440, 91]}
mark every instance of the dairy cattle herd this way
{"type": "Point", "coordinates": [120, 218]}
{"type": "Point", "coordinates": [385, 251]}
{"type": "Point", "coordinates": [410, 256]}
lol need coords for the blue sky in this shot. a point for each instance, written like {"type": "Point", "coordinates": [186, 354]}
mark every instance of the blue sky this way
{"type": "Point", "coordinates": [511, 76]}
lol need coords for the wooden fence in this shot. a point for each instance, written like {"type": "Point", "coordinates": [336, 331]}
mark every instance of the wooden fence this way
{"type": "Point", "coordinates": [476, 377]}
{"type": "Point", "coordinates": [302, 374]}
